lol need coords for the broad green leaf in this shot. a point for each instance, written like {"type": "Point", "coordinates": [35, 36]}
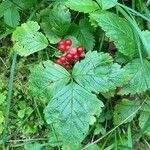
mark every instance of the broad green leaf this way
{"type": "Point", "coordinates": [11, 16]}
{"type": "Point", "coordinates": [118, 30]}
{"type": "Point", "coordinates": [85, 6]}
{"type": "Point", "coordinates": [124, 109]}
{"type": "Point", "coordinates": [145, 118]}
{"type": "Point", "coordinates": [52, 37]}
{"type": "Point", "coordinates": [107, 4]}
{"type": "Point", "coordinates": [97, 72]}
{"type": "Point", "coordinates": [60, 19]}
{"type": "Point", "coordinates": [86, 36]}
{"type": "Point", "coordinates": [140, 77]}
{"type": "Point", "coordinates": [72, 108]}
{"type": "Point", "coordinates": [27, 40]}
{"type": "Point", "coordinates": [4, 6]}
{"type": "Point", "coordinates": [47, 77]}
{"type": "Point", "coordinates": [2, 98]}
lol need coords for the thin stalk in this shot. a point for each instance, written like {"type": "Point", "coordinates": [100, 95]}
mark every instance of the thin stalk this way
{"type": "Point", "coordinates": [9, 96]}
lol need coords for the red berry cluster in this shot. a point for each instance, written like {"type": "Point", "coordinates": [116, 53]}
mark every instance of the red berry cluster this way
{"type": "Point", "coordinates": [71, 54]}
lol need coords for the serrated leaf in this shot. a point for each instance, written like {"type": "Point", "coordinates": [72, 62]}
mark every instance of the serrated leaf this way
{"type": "Point", "coordinates": [107, 4]}
{"type": "Point", "coordinates": [11, 16]}
{"type": "Point", "coordinates": [27, 40]}
{"type": "Point", "coordinates": [86, 36]}
{"type": "Point", "coordinates": [85, 6]}
{"type": "Point", "coordinates": [72, 108]}
{"type": "Point", "coordinates": [52, 37]}
{"type": "Point", "coordinates": [118, 30]}
{"type": "Point", "coordinates": [140, 77]}
{"type": "Point", "coordinates": [60, 19]}
{"type": "Point", "coordinates": [145, 117]}
{"type": "Point", "coordinates": [97, 73]}
{"type": "Point", "coordinates": [47, 77]}
{"type": "Point", "coordinates": [124, 109]}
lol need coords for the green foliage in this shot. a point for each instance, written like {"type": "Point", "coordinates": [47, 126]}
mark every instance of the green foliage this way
{"type": "Point", "coordinates": [10, 10]}
{"type": "Point", "coordinates": [72, 108]}
{"type": "Point", "coordinates": [144, 119]}
{"type": "Point", "coordinates": [57, 23]}
{"type": "Point", "coordinates": [140, 77]}
{"type": "Point", "coordinates": [45, 78]}
{"type": "Point", "coordinates": [85, 6]}
{"type": "Point", "coordinates": [107, 4]}
{"type": "Point", "coordinates": [125, 109]}
{"type": "Point", "coordinates": [118, 30]}
{"type": "Point", "coordinates": [98, 73]}
{"type": "Point", "coordinates": [85, 36]}
{"type": "Point", "coordinates": [28, 40]}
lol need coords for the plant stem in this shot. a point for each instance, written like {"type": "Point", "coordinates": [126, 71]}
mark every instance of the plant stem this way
{"type": "Point", "coordinates": [9, 96]}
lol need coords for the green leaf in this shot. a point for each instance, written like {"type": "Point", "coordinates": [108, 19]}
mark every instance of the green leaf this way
{"type": "Point", "coordinates": [86, 36]}
{"type": "Point", "coordinates": [1, 117]}
{"type": "Point", "coordinates": [11, 16]}
{"type": "Point", "coordinates": [47, 77]}
{"type": "Point", "coordinates": [140, 77]}
{"type": "Point", "coordinates": [52, 37]}
{"type": "Point", "coordinates": [27, 40]}
{"type": "Point", "coordinates": [60, 19]}
{"type": "Point", "coordinates": [145, 118]}
{"type": "Point", "coordinates": [97, 73]}
{"type": "Point", "coordinates": [118, 30]}
{"type": "Point", "coordinates": [4, 6]}
{"type": "Point", "coordinates": [35, 146]}
{"type": "Point", "coordinates": [146, 34]}
{"type": "Point", "coordinates": [124, 109]}
{"type": "Point", "coordinates": [85, 6]}
{"type": "Point", "coordinates": [107, 4]}
{"type": "Point", "coordinates": [72, 108]}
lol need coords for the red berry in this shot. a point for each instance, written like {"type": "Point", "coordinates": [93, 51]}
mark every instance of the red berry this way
{"type": "Point", "coordinates": [69, 56]}
{"type": "Point", "coordinates": [63, 58]}
{"type": "Point", "coordinates": [59, 62]}
{"type": "Point", "coordinates": [62, 48]}
{"type": "Point", "coordinates": [76, 57]}
{"type": "Point", "coordinates": [82, 55]}
{"type": "Point", "coordinates": [68, 42]}
{"type": "Point", "coordinates": [67, 47]}
{"type": "Point", "coordinates": [62, 42]}
{"type": "Point", "coordinates": [67, 66]}
{"type": "Point", "coordinates": [73, 51]}
{"type": "Point", "coordinates": [80, 50]}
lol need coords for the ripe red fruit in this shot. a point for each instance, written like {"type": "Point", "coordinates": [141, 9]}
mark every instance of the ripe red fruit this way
{"type": "Point", "coordinates": [62, 42]}
{"type": "Point", "coordinates": [59, 62]}
{"type": "Point", "coordinates": [67, 66]}
{"type": "Point", "coordinates": [67, 47]}
{"type": "Point", "coordinates": [76, 57]}
{"type": "Point", "coordinates": [63, 58]}
{"type": "Point", "coordinates": [68, 42]}
{"type": "Point", "coordinates": [69, 56]}
{"type": "Point", "coordinates": [80, 50]}
{"type": "Point", "coordinates": [73, 51]}
{"type": "Point", "coordinates": [62, 48]}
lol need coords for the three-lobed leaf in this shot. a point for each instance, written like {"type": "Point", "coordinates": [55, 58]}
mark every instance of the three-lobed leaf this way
{"type": "Point", "coordinates": [28, 40]}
